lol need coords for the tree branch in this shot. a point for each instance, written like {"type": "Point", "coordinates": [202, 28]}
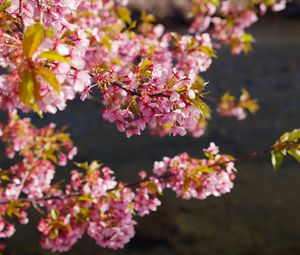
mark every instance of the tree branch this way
{"type": "Point", "coordinates": [287, 145]}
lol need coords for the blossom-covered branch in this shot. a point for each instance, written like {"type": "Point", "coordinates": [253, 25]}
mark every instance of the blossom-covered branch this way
{"type": "Point", "coordinates": [146, 78]}
{"type": "Point", "coordinates": [52, 50]}
{"type": "Point", "coordinates": [94, 201]}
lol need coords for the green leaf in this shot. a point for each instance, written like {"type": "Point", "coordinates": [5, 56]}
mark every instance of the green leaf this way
{"type": "Point", "coordinates": [84, 198]}
{"type": "Point", "coordinates": [4, 177]}
{"type": "Point", "coordinates": [145, 65]}
{"type": "Point", "coordinates": [5, 5]}
{"type": "Point", "coordinates": [215, 2]}
{"type": "Point", "coordinates": [208, 51]}
{"type": "Point", "coordinates": [294, 135]}
{"type": "Point", "coordinates": [94, 165]}
{"type": "Point", "coordinates": [134, 107]}
{"type": "Point", "coordinates": [147, 18]}
{"type": "Point", "coordinates": [205, 169]}
{"type": "Point", "coordinates": [50, 32]}
{"type": "Point", "coordinates": [106, 42]}
{"type": "Point", "coordinates": [144, 68]}
{"type": "Point", "coordinates": [33, 38]}
{"type": "Point", "coordinates": [203, 107]}
{"type": "Point", "coordinates": [53, 55]}
{"type": "Point", "coordinates": [49, 77]}
{"type": "Point", "coordinates": [186, 184]}
{"type": "Point", "coordinates": [29, 91]}
{"type": "Point", "coordinates": [152, 187]}
{"type": "Point", "coordinates": [208, 155]}
{"type": "Point", "coordinates": [36, 92]}
{"type": "Point", "coordinates": [83, 213]}
{"type": "Point", "coordinates": [51, 157]}
{"type": "Point", "coordinates": [277, 159]}
{"type": "Point", "coordinates": [84, 166]}
{"type": "Point", "coordinates": [124, 14]}
{"type": "Point", "coordinates": [247, 38]}
{"type": "Point", "coordinates": [54, 214]}
{"type": "Point", "coordinates": [26, 88]}
{"type": "Point", "coordinates": [295, 154]}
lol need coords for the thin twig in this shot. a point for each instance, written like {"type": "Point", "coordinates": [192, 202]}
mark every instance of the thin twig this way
{"type": "Point", "coordinates": [165, 176]}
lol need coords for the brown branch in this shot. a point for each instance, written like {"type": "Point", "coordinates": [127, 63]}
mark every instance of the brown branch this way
{"type": "Point", "coordinates": [20, 28]}
{"type": "Point", "coordinates": [163, 177]}
{"type": "Point", "coordinates": [20, 7]}
{"type": "Point", "coordinates": [235, 160]}
{"type": "Point", "coordinates": [135, 93]}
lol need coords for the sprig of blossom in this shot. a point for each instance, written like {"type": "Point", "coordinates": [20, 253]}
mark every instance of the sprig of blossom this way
{"type": "Point", "coordinates": [52, 50]}
{"type": "Point", "coordinates": [94, 202]}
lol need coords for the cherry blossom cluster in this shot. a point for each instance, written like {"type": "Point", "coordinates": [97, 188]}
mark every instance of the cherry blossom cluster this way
{"type": "Point", "coordinates": [94, 201]}
{"type": "Point", "coordinates": [229, 107]}
{"type": "Point", "coordinates": [164, 90]}
{"type": "Point", "coordinates": [227, 20]}
{"type": "Point", "coordinates": [44, 60]}
{"type": "Point", "coordinates": [52, 50]}
{"type": "Point", "coordinates": [41, 150]}
{"type": "Point", "coordinates": [194, 178]}
{"type": "Point", "coordinates": [21, 136]}
{"type": "Point", "coordinates": [147, 78]}
{"type": "Point", "coordinates": [133, 105]}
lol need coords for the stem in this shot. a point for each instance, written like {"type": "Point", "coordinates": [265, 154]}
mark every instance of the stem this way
{"type": "Point", "coordinates": [135, 93]}
{"type": "Point", "coordinates": [163, 177]}
{"type": "Point", "coordinates": [20, 28]}
{"type": "Point", "coordinates": [20, 7]}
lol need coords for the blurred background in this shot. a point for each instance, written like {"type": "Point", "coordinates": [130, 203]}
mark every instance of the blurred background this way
{"type": "Point", "coordinates": [261, 216]}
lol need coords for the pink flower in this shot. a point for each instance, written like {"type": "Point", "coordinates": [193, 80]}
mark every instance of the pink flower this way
{"type": "Point", "coordinates": [212, 149]}
{"type": "Point", "coordinates": [6, 230]}
{"type": "Point", "coordinates": [81, 80]}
